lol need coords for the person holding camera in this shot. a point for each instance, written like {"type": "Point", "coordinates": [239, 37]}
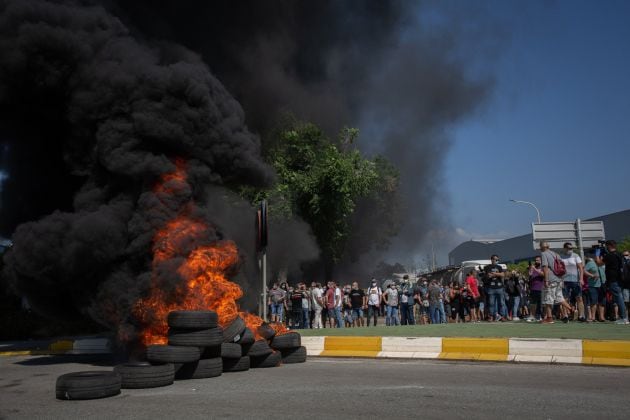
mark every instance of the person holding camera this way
{"type": "Point", "coordinates": [614, 266]}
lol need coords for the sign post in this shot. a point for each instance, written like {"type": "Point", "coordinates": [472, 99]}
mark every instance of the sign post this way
{"type": "Point", "coordinates": [584, 234]}
{"type": "Point", "coordinates": [261, 245]}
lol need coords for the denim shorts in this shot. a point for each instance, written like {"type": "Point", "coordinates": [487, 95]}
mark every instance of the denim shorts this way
{"type": "Point", "coordinates": [357, 313]}
{"type": "Point", "coordinates": [276, 308]}
{"type": "Point", "coordinates": [597, 295]}
{"type": "Point", "coordinates": [571, 290]}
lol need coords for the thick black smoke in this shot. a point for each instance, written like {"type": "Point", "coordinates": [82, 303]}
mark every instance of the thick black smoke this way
{"type": "Point", "coordinates": [93, 117]}
{"type": "Point", "coordinates": [401, 71]}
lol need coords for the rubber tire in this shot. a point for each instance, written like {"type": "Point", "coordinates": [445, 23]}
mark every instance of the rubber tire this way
{"type": "Point", "coordinates": [247, 337]}
{"type": "Point", "coordinates": [297, 355]}
{"type": "Point", "coordinates": [172, 354]}
{"type": "Point", "coordinates": [198, 338]}
{"type": "Point", "coordinates": [211, 352]}
{"type": "Point", "coordinates": [236, 365]}
{"type": "Point", "coordinates": [193, 319]}
{"type": "Point", "coordinates": [87, 385]}
{"type": "Point", "coordinates": [247, 341]}
{"type": "Point", "coordinates": [145, 375]}
{"type": "Point", "coordinates": [289, 340]}
{"type": "Point", "coordinates": [259, 348]}
{"type": "Point", "coordinates": [204, 368]}
{"type": "Point", "coordinates": [267, 361]}
{"type": "Point", "coordinates": [265, 331]}
{"type": "Point", "coordinates": [231, 350]}
{"type": "Point", "coordinates": [232, 333]}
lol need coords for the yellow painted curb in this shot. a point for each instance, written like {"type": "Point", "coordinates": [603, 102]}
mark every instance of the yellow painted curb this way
{"type": "Point", "coordinates": [61, 345]}
{"type": "Point", "coordinates": [352, 346]}
{"type": "Point", "coordinates": [491, 349]}
{"type": "Point", "coordinates": [606, 352]}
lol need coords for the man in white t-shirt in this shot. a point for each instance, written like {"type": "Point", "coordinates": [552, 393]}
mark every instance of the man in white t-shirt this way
{"type": "Point", "coordinates": [317, 304]}
{"type": "Point", "coordinates": [374, 295]}
{"type": "Point", "coordinates": [572, 287]}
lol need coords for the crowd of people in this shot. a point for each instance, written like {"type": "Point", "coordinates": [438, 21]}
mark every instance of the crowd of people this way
{"type": "Point", "coordinates": [556, 287]}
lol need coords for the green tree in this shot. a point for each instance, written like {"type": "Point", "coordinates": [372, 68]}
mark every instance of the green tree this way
{"type": "Point", "coordinates": [322, 181]}
{"type": "Point", "coordinates": [624, 245]}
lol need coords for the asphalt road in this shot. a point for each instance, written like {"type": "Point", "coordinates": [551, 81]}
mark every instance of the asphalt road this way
{"type": "Point", "coordinates": [331, 389]}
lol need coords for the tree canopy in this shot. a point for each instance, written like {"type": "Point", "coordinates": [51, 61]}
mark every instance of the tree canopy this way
{"type": "Point", "coordinates": [323, 181]}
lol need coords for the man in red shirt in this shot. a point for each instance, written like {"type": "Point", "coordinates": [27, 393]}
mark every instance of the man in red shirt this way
{"type": "Point", "coordinates": [473, 288]}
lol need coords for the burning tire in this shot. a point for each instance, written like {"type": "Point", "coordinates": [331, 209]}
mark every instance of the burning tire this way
{"type": "Point", "coordinates": [247, 337]}
{"type": "Point", "coordinates": [297, 355]}
{"type": "Point", "coordinates": [267, 361]}
{"type": "Point", "coordinates": [236, 365]}
{"type": "Point", "coordinates": [192, 319]}
{"type": "Point", "coordinates": [259, 348]}
{"type": "Point", "coordinates": [286, 341]}
{"type": "Point", "coordinates": [199, 338]}
{"type": "Point", "coordinates": [87, 385]}
{"type": "Point", "coordinates": [145, 375]}
{"type": "Point", "coordinates": [231, 351]}
{"type": "Point", "coordinates": [173, 354]}
{"type": "Point", "coordinates": [232, 332]}
{"type": "Point", "coordinates": [266, 331]}
{"type": "Point", "coordinates": [204, 368]}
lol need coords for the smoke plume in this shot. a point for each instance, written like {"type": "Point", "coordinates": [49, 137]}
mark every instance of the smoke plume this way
{"type": "Point", "coordinates": [94, 117]}
{"type": "Point", "coordinates": [98, 98]}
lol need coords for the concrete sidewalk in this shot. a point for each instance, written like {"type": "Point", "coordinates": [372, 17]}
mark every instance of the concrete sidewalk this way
{"type": "Point", "coordinates": [586, 352]}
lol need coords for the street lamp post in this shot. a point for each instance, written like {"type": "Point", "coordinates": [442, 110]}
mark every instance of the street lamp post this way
{"type": "Point", "coordinates": [531, 204]}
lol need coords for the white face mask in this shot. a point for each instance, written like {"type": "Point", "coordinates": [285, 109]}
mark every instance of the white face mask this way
{"type": "Point", "coordinates": [569, 252]}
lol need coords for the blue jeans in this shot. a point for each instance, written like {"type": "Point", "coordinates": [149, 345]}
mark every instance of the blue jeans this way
{"type": "Point", "coordinates": [305, 318]}
{"type": "Point", "coordinates": [392, 315]}
{"type": "Point", "coordinates": [442, 312]}
{"type": "Point", "coordinates": [615, 289]}
{"type": "Point", "coordinates": [434, 313]}
{"type": "Point", "coordinates": [516, 304]}
{"type": "Point", "coordinates": [493, 296]}
{"type": "Point", "coordinates": [406, 314]}
{"type": "Point", "coordinates": [338, 317]}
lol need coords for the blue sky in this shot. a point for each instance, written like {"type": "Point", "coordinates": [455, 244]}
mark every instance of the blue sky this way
{"type": "Point", "coordinates": [556, 129]}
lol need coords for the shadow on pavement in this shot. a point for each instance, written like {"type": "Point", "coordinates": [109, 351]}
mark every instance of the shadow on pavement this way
{"type": "Point", "coordinates": [91, 359]}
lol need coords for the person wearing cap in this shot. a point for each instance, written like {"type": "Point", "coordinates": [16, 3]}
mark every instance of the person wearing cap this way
{"type": "Point", "coordinates": [614, 264]}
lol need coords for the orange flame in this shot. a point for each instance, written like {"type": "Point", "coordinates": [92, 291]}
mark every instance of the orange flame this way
{"type": "Point", "coordinates": [204, 272]}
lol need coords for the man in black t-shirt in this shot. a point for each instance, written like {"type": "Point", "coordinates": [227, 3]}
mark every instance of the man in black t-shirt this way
{"type": "Point", "coordinates": [494, 289]}
{"type": "Point", "coordinates": [358, 300]}
{"type": "Point", "coordinates": [614, 263]}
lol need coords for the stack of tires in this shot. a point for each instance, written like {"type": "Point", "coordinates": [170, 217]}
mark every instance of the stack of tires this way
{"type": "Point", "coordinates": [197, 348]}
{"type": "Point", "coordinates": [289, 346]}
{"type": "Point", "coordinates": [237, 340]}
{"type": "Point", "coordinates": [194, 345]}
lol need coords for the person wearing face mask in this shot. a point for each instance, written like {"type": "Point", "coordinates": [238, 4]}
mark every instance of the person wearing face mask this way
{"type": "Point", "coordinates": [375, 295]}
{"type": "Point", "coordinates": [572, 287]}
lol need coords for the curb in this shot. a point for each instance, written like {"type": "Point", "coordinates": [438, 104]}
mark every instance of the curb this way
{"type": "Point", "coordinates": [88, 345]}
{"type": "Point", "coordinates": [534, 350]}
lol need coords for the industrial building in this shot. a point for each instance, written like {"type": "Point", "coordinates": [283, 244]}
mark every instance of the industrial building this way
{"type": "Point", "coordinates": [519, 248]}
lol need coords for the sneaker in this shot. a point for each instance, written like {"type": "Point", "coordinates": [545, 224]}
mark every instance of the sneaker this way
{"type": "Point", "coordinates": [565, 319]}
{"type": "Point", "coordinates": [498, 318]}
{"type": "Point", "coordinates": [516, 318]}
{"type": "Point", "coordinates": [621, 322]}
{"type": "Point", "coordinates": [601, 320]}
{"type": "Point", "coordinates": [530, 319]}
{"type": "Point", "coordinates": [582, 319]}
{"type": "Point", "coordinates": [547, 321]}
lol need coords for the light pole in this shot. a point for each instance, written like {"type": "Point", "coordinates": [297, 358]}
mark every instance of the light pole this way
{"type": "Point", "coordinates": [531, 204]}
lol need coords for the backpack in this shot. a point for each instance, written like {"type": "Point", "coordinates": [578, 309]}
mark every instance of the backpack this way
{"type": "Point", "coordinates": [559, 269]}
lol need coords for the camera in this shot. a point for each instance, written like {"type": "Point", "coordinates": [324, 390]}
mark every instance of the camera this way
{"type": "Point", "coordinates": [600, 249]}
